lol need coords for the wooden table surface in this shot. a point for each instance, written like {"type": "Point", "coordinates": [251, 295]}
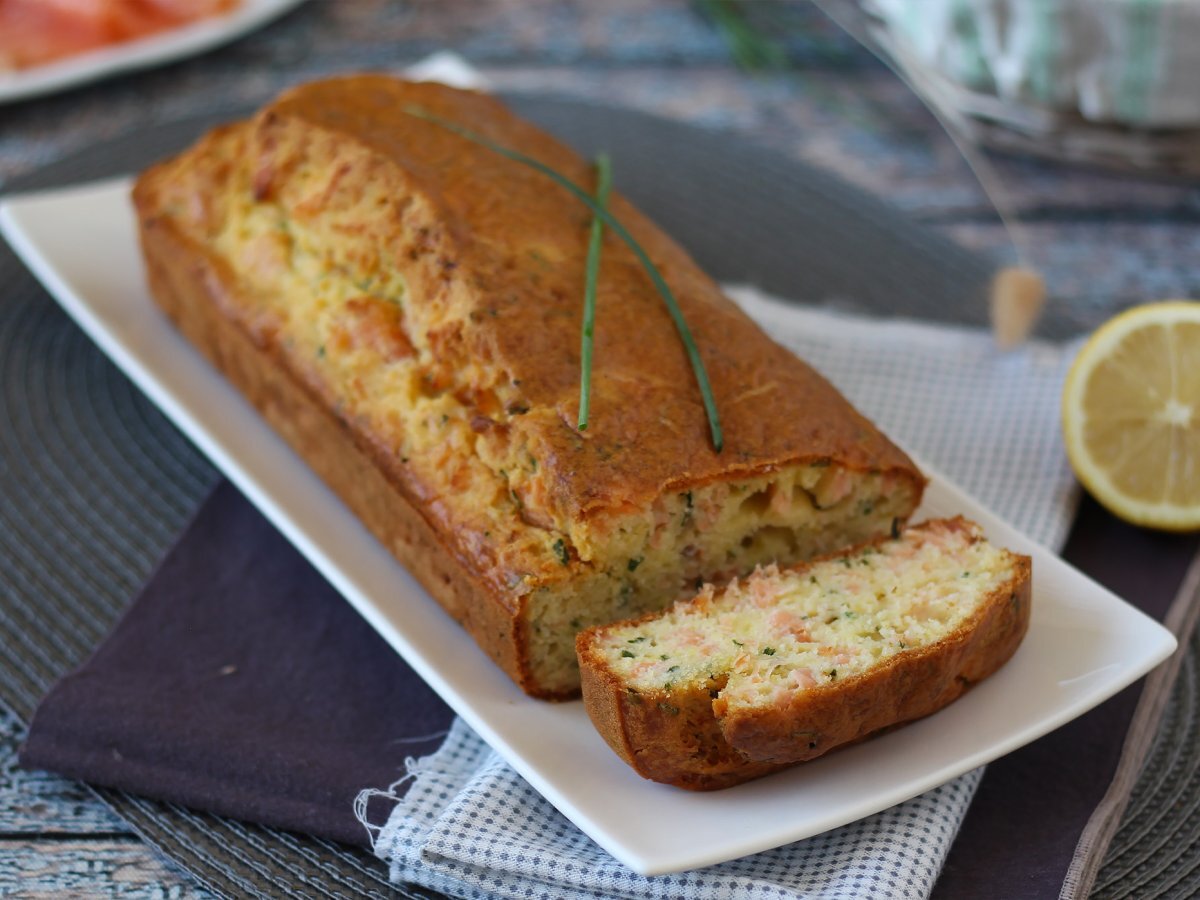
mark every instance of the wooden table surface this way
{"type": "Point", "coordinates": [1103, 241]}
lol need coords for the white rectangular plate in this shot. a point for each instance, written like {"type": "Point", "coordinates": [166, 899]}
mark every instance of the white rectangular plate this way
{"type": "Point", "coordinates": [1083, 646]}
{"type": "Point", "coordinates": [152, 50]}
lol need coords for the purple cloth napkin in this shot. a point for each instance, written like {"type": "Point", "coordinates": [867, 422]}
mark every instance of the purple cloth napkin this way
{"type": "Point", "coordinates": [241, 683]}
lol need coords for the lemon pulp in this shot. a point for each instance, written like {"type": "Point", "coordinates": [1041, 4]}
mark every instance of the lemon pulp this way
{"type": "Point", "coordinates": [1131, 415]}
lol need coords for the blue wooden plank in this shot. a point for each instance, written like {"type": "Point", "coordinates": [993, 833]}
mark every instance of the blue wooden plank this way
{"type": "Point", "coordinates": [38, 803]}
{"type": "Point", "coordinates": [114, 867]}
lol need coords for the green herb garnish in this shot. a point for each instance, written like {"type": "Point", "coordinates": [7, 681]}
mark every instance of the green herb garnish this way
{"type": "Point", "coordinates": [634, 562]}
{"type": "Point", "coordinates": [591, 276]}
{"type": "Point", "coordinates": [561, 549]}
{"type": "Point", "coordinates": [681, 326]}
{"type": "Point", "coordinates": [768, 651]}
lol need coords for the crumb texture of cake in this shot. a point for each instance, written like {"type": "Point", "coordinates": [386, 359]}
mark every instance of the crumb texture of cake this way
{"type": "Point", "coordinates": [788, 664]}
{"type": "Point", "coordinates": [404, 305]}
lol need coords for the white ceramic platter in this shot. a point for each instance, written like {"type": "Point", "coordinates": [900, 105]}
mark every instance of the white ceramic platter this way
{"type": "Point", "coordinates": [1083, 646]}
{"type": "Point", "coordinates": [152, 50]}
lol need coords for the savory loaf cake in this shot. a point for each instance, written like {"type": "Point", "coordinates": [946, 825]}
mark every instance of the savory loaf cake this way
{"type": "Point", "coordinates": [403, 304]}
{"type": "Point", "coordinates": [790, 663]}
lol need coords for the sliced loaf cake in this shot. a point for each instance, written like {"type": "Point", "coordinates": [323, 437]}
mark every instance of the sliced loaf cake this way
{"type": "Point", "coordinates": [788, 664]}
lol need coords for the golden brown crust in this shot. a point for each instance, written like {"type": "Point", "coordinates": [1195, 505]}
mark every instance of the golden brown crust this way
{"type": "Point", "coordinates": [690, 739]}
{"type": "Point", "coordinates": [675, 740]}
{"type": "Point", "coordinates": [192, 289]}
{"type": "Point", "coordinates": [648, 431]}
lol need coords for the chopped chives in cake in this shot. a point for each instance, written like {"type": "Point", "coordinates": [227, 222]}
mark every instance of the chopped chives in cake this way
{"type": "Point", "coordinates": [761, 655]}
{"type": "Point", "coordinates": [779, 631]}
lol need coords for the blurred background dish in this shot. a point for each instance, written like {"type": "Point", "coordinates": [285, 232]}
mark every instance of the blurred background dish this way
{"type": "Point", "coordinates": [51, 45]}
{"type": "Point", "coordinates": [1106, 82]}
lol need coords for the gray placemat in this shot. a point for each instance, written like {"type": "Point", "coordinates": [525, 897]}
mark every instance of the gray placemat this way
{"type": "Point", "coordinates": [94, 483]}
{"type": "Point", "coordinates": [1156, 849]}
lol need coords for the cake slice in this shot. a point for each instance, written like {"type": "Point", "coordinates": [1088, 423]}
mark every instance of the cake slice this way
{"type": "Point", "coordinates": [788, 664]}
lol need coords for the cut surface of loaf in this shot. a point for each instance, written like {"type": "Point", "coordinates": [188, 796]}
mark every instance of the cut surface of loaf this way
{"type": "Point", "coordinates": [788, 664]}
{"type": "Point", "coordinates": [404, 306]}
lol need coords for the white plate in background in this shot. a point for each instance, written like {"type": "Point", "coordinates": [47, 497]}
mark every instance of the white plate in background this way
{"type": "Point", "coordinates": [151, 50]}
{"type": "Point", "coordinates": [1083, 646]}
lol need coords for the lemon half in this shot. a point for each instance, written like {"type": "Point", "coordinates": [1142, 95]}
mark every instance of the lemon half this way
{"type": "Point", "coordinates": [1131, 415]}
